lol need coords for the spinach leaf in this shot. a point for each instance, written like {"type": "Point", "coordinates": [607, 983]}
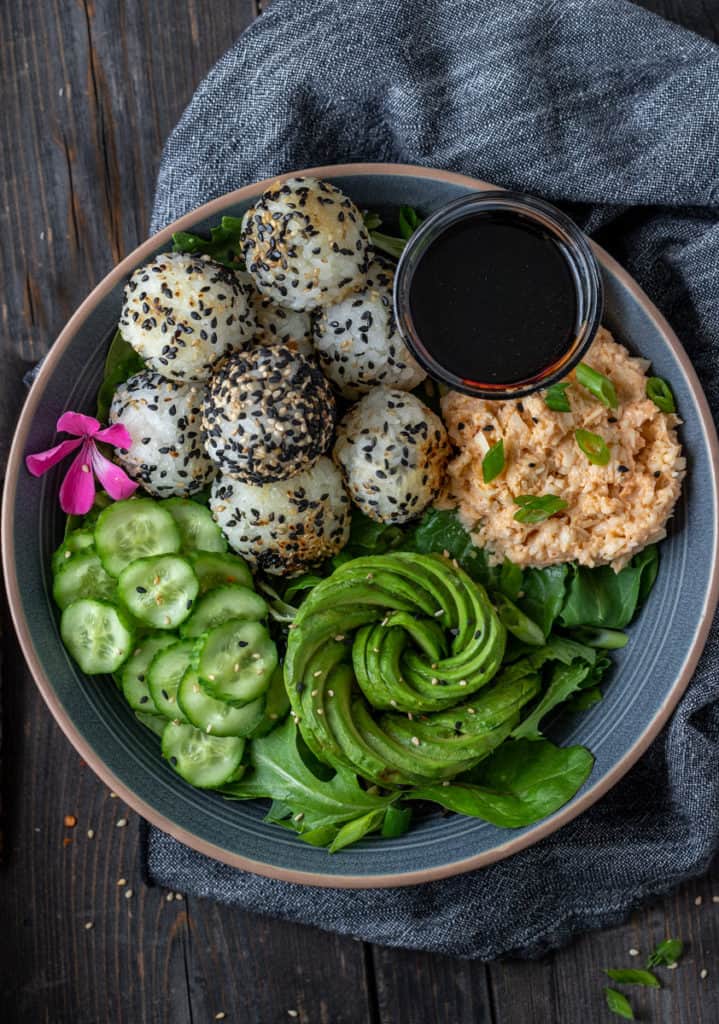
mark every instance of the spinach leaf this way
{"type": "Point", "coordinates": [396, 821]}
{"type": "Point", "coordinates": [223, 245]}
{"type": "Point", "coordinates": [520, 783]}
{"type": "Point", "coordinates": [440, 530]}
{"type": "Point", "coordinates": [634, 977]}
{"type": "Point", "coordinates": [368, 537]}
{"type": "Point", "coordinates": [543, 595]}
{"type": "Point", "coordinates": [605, 599]}
{"type": "Point", "coordinates": [563, 682]}
{"type": "Point", "coordinates": [583, 700]}
{"type": "Point", "coordinates": [604, 639]}
{"type": "Point", "coordinates": [121, 363]}
{"type": "Point", "coordinates": [618, 1004]}
{"type": "Point", "coordinates": [517, 623]}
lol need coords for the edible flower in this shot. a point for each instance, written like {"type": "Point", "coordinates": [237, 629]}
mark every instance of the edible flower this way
{"type": "Point", "coordinates": [77, 492]}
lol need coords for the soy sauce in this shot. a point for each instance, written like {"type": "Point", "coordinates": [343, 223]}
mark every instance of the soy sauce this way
{"type": "Point", "coordinates": [493, 299]}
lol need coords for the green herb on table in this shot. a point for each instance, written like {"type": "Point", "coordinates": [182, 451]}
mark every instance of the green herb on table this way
{"type": "Point", "coordinates": [223, 245]}
{"type": "Point", "coordinates": [632, 976]}
{"type": "Point", "coordinates": [535, 508]}
{"type": "Point", "coordinates": [555, 397]}
{"type": "Point", "coordinates": [599, 385]}
{"type": "Point", "coordinates": [493, 462]}
{"type": "Point", "coordinates": [666, 953]}
{"type": "Point", "coordinates": [661, 394]}
{"type": "Point", "coordinates": [593, 446]}
{"type": "Point", "coordinates": [618, 1004]}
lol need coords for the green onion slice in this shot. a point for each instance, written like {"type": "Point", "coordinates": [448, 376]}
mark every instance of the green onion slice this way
{"type": "Point", "coordinates": [535, 508]}
{"type": "Point", "coordinates": [555, 398]}
{"type": "Point", "coordinates": [493, 462]}
{"type": "Point", "coordinates": [599, 385]}
{"type": "Point", "coordinates": [593, 446]}
{"type": "Point", "coordinates": [661, 394]}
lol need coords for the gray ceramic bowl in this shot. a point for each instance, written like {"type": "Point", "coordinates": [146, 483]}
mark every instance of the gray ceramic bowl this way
{"type": "Point", "coordinates": [651, 672]}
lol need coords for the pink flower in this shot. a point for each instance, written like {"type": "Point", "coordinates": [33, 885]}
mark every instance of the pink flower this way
{"type": "Point", "coordinates": [77, 492]}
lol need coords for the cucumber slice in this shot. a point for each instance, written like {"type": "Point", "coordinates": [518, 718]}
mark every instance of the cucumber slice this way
{"type": "Point", "coordinates": [277, 704]}
{"type": "Point", "coordinates": [165, 675]}
{"type": "Point", "coordinates": [215, 570]}
{"type": "Point", "coordinates": [134, 675]}
{"type": "Point", "coordinates": [74, 543]}
{"type": "Point", "coordinates": [159, 591]}
{"type": "Point", "coordinates": [155, 723]}
{"type": "Point", "coordinates": [203, 761]}
{"type": "Point", "coordinates": [132, 529]}
{"type": "Point", "coordinates": [82, 576]}
{"type": "Point", "coordinates": [237, 660]}
{"type": "Point", "coordinates": [217, 716]}
{"type": "Point", "coordinates": [224, 604]}
{"type": "Point", "coordinates": [198, 530]}
{"type": "Point", "coordinates": [98, 635]}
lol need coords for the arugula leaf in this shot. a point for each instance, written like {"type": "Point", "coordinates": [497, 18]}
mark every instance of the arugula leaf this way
{"type": "Point", "coordinates": [618, 1004]}
{"type": "Point", "coordinates": [278, 773]}
{"type": "Point", "coordinates": [223, 245]}
{"type": "Point", "coordinates": [634, 977]}
{"type": "Point", "coordinates": [121, 363]}
{"type": "Point", "coordinates": [520, 783]}
{"type": "Point", "coordinates": [564, 681]}
{"type": "Point", "coordinates": [602, 598]}
{"type": "Point", "coordinates": [666, 953]}
{"type": "Point", "coordinates": [543, 596]}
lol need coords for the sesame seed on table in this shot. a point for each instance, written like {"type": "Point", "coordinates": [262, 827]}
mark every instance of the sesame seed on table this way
{"type": "Point", "coordinates": [89, 97]}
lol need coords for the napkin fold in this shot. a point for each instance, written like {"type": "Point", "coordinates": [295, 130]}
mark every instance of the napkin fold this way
{"type": "Point", "coordinates": [611, 112]}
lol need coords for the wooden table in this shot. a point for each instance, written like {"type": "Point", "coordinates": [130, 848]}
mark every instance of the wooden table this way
{"type": "Point", "coordinates": [90, 89]}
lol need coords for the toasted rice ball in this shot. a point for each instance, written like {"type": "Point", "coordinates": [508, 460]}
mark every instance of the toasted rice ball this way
{"type": "Point", "coordinates": [393, 452]}
{"type": "Point", "coordinates": [613, 511]}
{"type": "Point", "coordinates": [164, 420]}
{"type": "Point", "coordinates": [357, 341]}
{"type": "Point", "coordinates": [305, 243]}
{"type": "Point", "coordinates": [182, 313]}
{"type": "Point", "coordinates": [286, 526]}
{"type": "Point", "coordinates": [269, 414]}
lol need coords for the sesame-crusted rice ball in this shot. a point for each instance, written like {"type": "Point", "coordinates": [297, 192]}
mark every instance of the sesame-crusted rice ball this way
{"type": "Point", "coordinates": [305, 243]}
{"type": "Point", "coordinates": [184, 312]}
{"type": "Point", "coordinates": [286, 526]}
{"type": "Point", "coordinates": [275, 325]}
{"type": "Point", "coordinates": [269, 413]}
{"type": "Point", "coordinates": [393, 453]}
{"type": "Point", "coordinates": [164, 420]}
{"type": "Point", "coordinates": [357, 342]}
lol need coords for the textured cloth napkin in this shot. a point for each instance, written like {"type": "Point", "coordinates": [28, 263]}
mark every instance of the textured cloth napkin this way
{"type": "Point", "coordinates": [613, 113]}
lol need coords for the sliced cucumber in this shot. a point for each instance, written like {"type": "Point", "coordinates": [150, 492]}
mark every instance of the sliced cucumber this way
{"type": "Point", "coordinates": [215, 570]}
{"type": "Point", "coordinates": [98, 635]}
{"type": "Point", "coordinates": [198, 530]}
{"type": "Point", "coordinates": [223, 604]}
{"type": "Point", "coordinates": [277, 704]}
{"type": "Point", "coordinates": [202, 760]}
{"type": "Point", "coordinates": [237, 660]}
{"type": "Point", "coordinates": [82, 576]}
{"type": "Point", "coordinates": [155, 723]}
{"type": "Point", "coordinates": [74, 543]}
{"type": "Point", "coordinates": [134, 675]}
{"type": "Point", "coordinates": [217, 716]}
{"type": "Point", "coordinates": [132, 529]}
{"type": "Point", "coordinates": [159, 591]}
{"type": "Point", "coordinates": [165, 675]}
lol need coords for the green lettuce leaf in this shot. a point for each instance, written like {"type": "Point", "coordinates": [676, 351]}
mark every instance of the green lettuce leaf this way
{"type": "Point", "coordinates": [223, 245]}
{"type": "Point", "coordinates": [605, 599]}
{"type": "Point", "coordinates": [121, 363]}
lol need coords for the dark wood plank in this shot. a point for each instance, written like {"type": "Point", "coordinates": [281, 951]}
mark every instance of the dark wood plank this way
{"type": "Point", "coordinates": [701, 16]}
{"type": "Point", "coordinates": [413, 987]}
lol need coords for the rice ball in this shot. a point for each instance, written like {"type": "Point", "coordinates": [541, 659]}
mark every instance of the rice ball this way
{"type": "Point", "coordinates": [393, 453]}
{"type": "Point", "coordinates": [182, 313]}
{"type": "Point", "coordinates": [357, 341]}
{"type": "Point", "coordinates": [284, 527]}
{"type": "Point", "coordinates": [275, 325]}
{"type": "Point", "coordinates": [305, 244]}
{"type": "Point", "coordinates": [268, 414]}
{"type": "Point", "coordinates": [164, 420]}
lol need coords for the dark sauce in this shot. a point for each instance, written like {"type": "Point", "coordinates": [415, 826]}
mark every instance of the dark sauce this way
{"type": "Point", "coordinates": [493, 300]}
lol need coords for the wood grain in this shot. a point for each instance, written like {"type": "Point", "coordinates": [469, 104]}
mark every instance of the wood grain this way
{"type": "Point", "coordinates": [90, 91]}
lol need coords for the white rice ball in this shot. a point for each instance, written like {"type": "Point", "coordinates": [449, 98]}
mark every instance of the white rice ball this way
{"type": "Point", "coordinates": [305, 244]}
{"type": "Point", "coordinates": [283, 528]}
{"type": "Point", "coordinates": [357, 342]}
{"type": "Point", "coordinates": [393, 453]}
{"type": "Point", "coordinates": [182, 313]}
{"type": "Point", "coordinates": [164, 420]}
{"type": "Point", "coordinates": [275, 325]}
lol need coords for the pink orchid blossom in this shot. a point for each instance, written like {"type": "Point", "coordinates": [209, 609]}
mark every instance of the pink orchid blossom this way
{"type": "Point", "coordinates": [77, 492]}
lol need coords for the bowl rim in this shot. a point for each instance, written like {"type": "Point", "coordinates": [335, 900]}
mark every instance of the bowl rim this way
{"type": "Point", "coordinates": [14, 466]}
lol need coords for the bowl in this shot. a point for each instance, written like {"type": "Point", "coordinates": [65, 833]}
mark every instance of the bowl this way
{"type": "Point", "coordinates": [650, 673]}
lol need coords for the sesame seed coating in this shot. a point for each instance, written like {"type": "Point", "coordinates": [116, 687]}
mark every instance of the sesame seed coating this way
{"type": "Point", "coordinates": [305, 244]}
{"type": "Point", "coordinates": [269, 414]}
{"type": "Point", "coordinates": [183, 312]}
{"type": "Point", "coordinates": [357, 342]}
{"type": "Point", "coordinates": [393, 453]}
{"type": "Point", "coordinates": [286, 526]}
{"type": "Point", "coordinates": [275, 325]}
{"type": "Point", "coordinates": [164, 420]}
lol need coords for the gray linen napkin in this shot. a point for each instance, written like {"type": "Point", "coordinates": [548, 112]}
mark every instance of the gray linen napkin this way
{"type": "Point", "coordinates": [613, 113]}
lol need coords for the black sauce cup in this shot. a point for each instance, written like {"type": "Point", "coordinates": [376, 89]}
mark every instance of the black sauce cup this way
{"type": "Point", "coordinates": [580, 261]}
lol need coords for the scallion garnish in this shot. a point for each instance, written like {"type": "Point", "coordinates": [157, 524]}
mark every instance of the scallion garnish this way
{"type": "Point", "coordinates": [661, 394]}
{"type": "Point", "coordinates": [555, 398]}
{"type": "Point", "coordinates": [593, 446]}
{"type": "Point", "coordinates": [535, 508]}
{"type": "Point", "coordinates": [599, 385]}
{"type": "Point", "coordinates": [493, 462]}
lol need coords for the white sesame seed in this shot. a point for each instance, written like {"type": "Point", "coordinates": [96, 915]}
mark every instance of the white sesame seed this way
{"type": "Point", "coordinates": [320, 711]}
{"type": "Point", "coordinates": [672, 967]}
{"type": "Point", "coordinates": [439, 613]}
{"type": "Point", "coordinates": [634, 952]}
{"type": "Point", "coordinates": [292, 1013]}
{"type": "Point", "coordinates": [299, 816]}
{"type": "Point", "coordinates": [317, 673]}
{"type": "Point", "coordinates": [179, 897]}
{"type": "Point", "coordinates": [446, 782]}
{"type": "Point", "coordinates": [340, 637]}
{"type": "Point", "coordinates": [128, 894]}
{"type": "Point", "coordinates": [463, 682]}
{"type": "Point", "coordinates": [169, 897]}
{"type": "Point", "coordinates": [330, 693]}
{"type": "Point", "coordinates": [113, 796]}
{"type": "Point", "coordinates": [90, 833]}
{"type": "Point", "coordinates": [471, 711]}
{"type": "Point", "coordinates": [314, 693]}
{"type": "Point", "coordinates": [89, 925]}
{"type": "Point", "coordinates": [121, 881]}
{"type": "Point", "coordinates": [121, 822]}
{"type": "Point", "coordinates": [698, 901]}
{"type": "Point", "coordinates": [220, 1016]}
{"type": "Point", "coordinates": [415, 740]}
{"type": "Point", "coordinates": [715, 899]}
{"type": "Point", "coordinates": [703, 973]}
